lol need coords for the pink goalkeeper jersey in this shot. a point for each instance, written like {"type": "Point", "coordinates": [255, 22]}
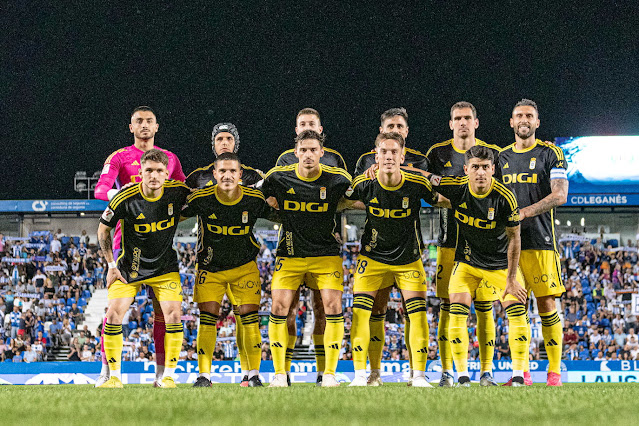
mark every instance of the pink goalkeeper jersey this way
{"type": "Point", "coordinates": [122, 167]}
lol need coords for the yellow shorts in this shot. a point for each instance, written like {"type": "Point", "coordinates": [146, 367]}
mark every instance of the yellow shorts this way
{"type": "Point", "coordinates": [445, 262]}
{"type": "Point", "coordinates": [167, 288]}
{"type": "Point", "coordinates": [371, 275]}
{"type": "Point", "coordinates": [542, 272]}
{"type": "Point", "coordinates": [468, 279]}
{"type": "Point", "coordinates": [325, 273]}
{"type": "Point", "coordinates": [243, 281]}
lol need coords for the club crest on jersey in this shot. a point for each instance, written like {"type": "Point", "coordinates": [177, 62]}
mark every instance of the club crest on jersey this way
{"type": "Point", "coordinates": [323, 193]}
{"type": "Point", "coordinates": [170, 209]}
{"type": "Point", "coordinates": [244, 216]}
{"type": "Point", "coordinates": [405, 202]}
{"type": "Point", "coordinates": [533, 162]}
{"type": "Point", "coordinates": [491, 213]}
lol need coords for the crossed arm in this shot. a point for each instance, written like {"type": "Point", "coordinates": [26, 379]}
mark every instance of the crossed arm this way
{"type": "Point", "coordinates": [557, 197]}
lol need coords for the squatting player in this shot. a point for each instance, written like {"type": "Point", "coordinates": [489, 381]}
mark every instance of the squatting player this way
{"type": "Point", "coordinates": [149, 213]}
{"type": "Point", "coordinates": [488, 247]}
{"type": "Point", "coordinates": [121, 168]}
{"type": "Point", "coordinates": [447, 159]}
{"type": "Point", "coordinates": [391, 252]}
{"type": "Point", "coordinates": [537, 173]}
{"type": "Point", "coordinates": [307, 193]}
{"type": "Point", "coordinates": [226, 138]}
{"type": "Point", "coordinates": [391, 120]}
{"type": "Point", "coordinates": [226, 213]}
{"type": "Point", "coordinates": [309, 119]}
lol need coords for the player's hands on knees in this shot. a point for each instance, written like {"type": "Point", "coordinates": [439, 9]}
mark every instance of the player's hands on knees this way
{"type": "Point", "coordinates": [113, 275]}
{"type": "Point", "coordinates": [370, 173]}
{"type": "Point", "coordinates": [513, 287]}
{"type": "Point", "coordinates": [272, 201]}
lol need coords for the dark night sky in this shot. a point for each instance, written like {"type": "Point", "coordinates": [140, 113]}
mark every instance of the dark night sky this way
{"type": "Point", "coordinates": [71, 75]}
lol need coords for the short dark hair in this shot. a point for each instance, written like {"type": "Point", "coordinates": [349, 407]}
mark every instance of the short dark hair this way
{"type": "Point", "coordinates": [480, 152]}
{"type": "Point", "coordinates": [143, 108]}
{"type": "Point", "coordinates": [389, 113]}
{"type": "Point", "coordinates": [310, 111]}
{"type": "Point", "coordinates": [227, 156]}
{"type": "Point", "coordinates": [310, 134]}
{"type": "Point", "coordinates": [155, 155]}
{"type": "Point", "coordinates": [527, 102]}
{"type": "Point", "coordinates": [392, 136]}
{"type": "Point", "coordinates": [463, 104]}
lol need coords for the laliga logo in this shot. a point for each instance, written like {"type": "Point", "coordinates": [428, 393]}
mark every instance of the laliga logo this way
{"type": "Point", "coordinates": [39, 205]}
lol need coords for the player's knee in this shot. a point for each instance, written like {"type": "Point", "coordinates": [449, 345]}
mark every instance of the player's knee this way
{"type": "Point", "coordinates": [332, 306]}
{"type": "Point", "coordinates": [546, 304]}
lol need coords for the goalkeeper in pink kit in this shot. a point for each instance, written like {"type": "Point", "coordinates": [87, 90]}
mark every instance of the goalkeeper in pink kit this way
{"type": "Point", "coordinates": [123, 167]}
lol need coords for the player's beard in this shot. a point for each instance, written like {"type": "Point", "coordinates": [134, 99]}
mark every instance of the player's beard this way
{"type": "Point", "coordinates": [146, 135]}
{"type": "Point", "coordinates": [525, 135]}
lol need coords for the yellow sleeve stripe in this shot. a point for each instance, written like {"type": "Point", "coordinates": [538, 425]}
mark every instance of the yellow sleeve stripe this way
{"type": "Point", "coordinates": [128, 193]}
{"type": "Point", "coordinates": [259, 172]}
{"type": "Point", "coordinates": [437, 145]}
{"type": "Point", "coordinates": [451, 180]}
{"type": "Point", "coordinates": [253, 192]}
{"type": "Point", "coordinates": [336, 153]}
{"type": "Point", "coordinates": [337, 171]}
{"type": "Point", "coordinates": [488, 145]}
{"type": "Point", "coordinates": [359, 179]}
{"type": "Point", "coordinates": [558, 151]}
{"type": "Point", "coordinates": [134, 188]}
{"type": "Point", "coordinates": [414, 151]}
{"type": "Point", "coordinates": [200, 169]}
{"type": "Point", "coordinates": [175, 184]}
{"type": "Point", "coordinates": [283, 154]}
{"type": "Point", "coordinates": [209, 190]}
{"type": "Point", "coordinates": [418, 179]}
{"type": "Point", "coordinates": [365, 154]}
{"type": "Point", "coordinates": [507, 193]}
{"type": "Point", "coordinates": [280, 169]}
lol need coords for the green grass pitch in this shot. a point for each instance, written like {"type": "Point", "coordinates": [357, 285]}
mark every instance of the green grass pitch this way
{"type": "Point", "coordinates": [392, 404]}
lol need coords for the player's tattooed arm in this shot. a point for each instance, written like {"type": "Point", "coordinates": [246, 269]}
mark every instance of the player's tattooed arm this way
{"type": "Point", "coordinates": [513, 286]}
{"type": "Point", "coordinates": [106, 243]}
{"type": "Point", "coordinates": [557, 197]}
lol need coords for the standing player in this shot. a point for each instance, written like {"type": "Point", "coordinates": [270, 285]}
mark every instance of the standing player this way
{"type": "Point", "coordinates": [226, 254]}
{"type": "Point", "coordinates": [149, 214]}
{"type": "Point", "coordinates": [488, 247]}
{"type": "Point", "coordinates": [392, 120]}
{"type": "Point", "coordinates": [307, 193]}
{"type": "Point", "coordinates": [121, 168]}
{"type": "Point", "coordinates": [447, 159]}
{"type": "Point", "coordinates": [225, 138]}
{"type": "Point", "coordinates": [391, 252]}
{"type": "Point", "coordinates": [309, 119]}
{"type": "Point", "coordinates": [537, 172]}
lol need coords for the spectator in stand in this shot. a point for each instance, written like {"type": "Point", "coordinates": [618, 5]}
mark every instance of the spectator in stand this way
{"type": "Point", "coordinates": [29, 355]}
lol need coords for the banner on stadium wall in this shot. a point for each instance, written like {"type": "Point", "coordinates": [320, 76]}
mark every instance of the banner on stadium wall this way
{"type": "Point", "coordinates": [82, 373]}
{"type": "Point", "coordinates": [586, 200]}
{"type": "Point", "coordinates": [42, 206]}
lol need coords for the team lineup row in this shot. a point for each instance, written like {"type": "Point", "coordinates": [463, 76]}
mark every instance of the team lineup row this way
{"type": "Point", "coordinates": [496, 242]}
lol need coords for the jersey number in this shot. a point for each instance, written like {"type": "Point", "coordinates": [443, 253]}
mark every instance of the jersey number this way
{"type": "Point", "coordinates": [361, 266]}
{"type": "Point", "coordinates": [440, 268]}
{"type": "Point", "coordinates": [278, 264]}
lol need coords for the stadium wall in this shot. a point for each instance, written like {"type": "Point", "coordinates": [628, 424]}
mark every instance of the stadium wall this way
{"type": "Point", "coordinates": [81, 373]}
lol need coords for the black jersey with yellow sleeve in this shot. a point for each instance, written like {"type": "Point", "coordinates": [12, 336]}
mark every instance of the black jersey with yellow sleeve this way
{"type": "Point", "coordinates": [225, 229]}
{"type": "Point", "coordinates": [148, 226]}
{"type": "Point", "coordinates": [445, 159]}
{"type": "Point", "coordinates": [481, 221]}
{"type": "Point", "coordinates": [307, 209]}
{"type": "Point", "coordinates": [203, 177]}
{"type": "Point", "coordinates": [391, 234]}
{"type": "Point", "coordinates": [412, 158]}
{"type": "Point", "coordinates": [528, 173]}
{"type": "Point", "coordinates": [330, 158]}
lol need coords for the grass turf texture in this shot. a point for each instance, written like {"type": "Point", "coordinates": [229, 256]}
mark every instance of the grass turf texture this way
{"type": "Point", "coordinates": [608, 404]}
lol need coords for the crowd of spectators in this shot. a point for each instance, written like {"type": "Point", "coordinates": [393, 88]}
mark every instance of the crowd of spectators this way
{"type": "Point", "coordinates": [46, 281]}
